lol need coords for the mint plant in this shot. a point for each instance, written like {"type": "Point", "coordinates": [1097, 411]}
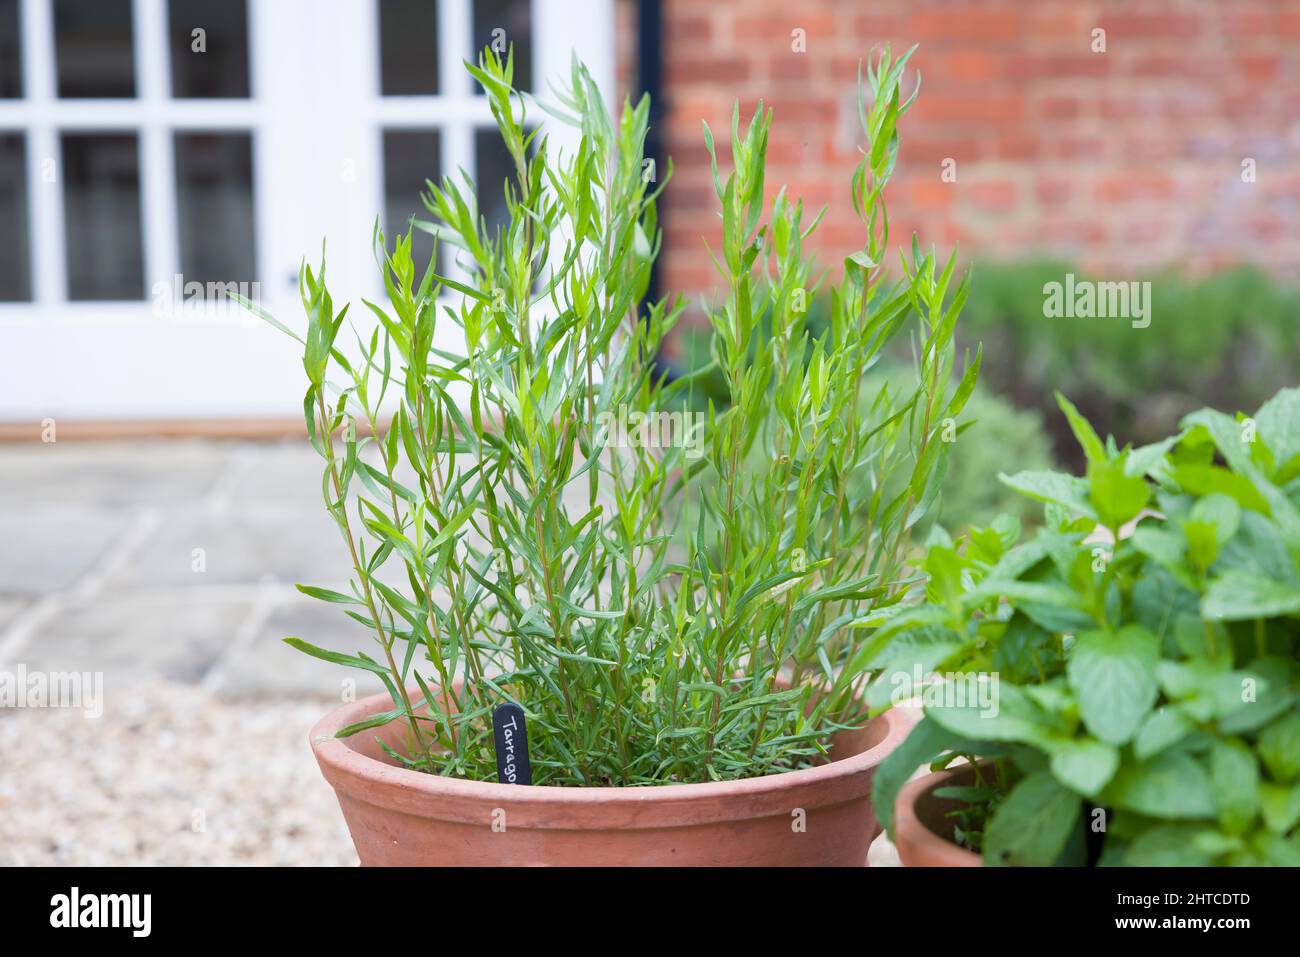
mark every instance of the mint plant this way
{"type": "Point", "coordinates": [661, 613]}
{"type": "Point", "coordinates": [1145, 705]}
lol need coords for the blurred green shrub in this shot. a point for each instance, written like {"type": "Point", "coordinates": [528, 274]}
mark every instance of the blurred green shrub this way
{"type": "Point", "coordinates": [1000, 433]}
{"type": "Point", "coordinates": [1229, 340]}
{"type": "Point", "coordinates": [991, 432]}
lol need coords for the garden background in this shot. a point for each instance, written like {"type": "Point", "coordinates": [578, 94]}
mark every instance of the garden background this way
{"type": "Point", "coordinates": [1109, 141]}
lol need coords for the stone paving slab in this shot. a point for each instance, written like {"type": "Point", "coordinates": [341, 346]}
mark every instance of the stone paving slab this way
{"type": "Point", "coordinates": [9, 610]}
{"type": "Point", "coordinates": [48, 547]}
{"type": "Point", "coordinates": [283, 474]}
{"type": "Point", "coordinates": [245, 544]}
{"type": "Point", "coordinates": [111, 473]}
{"type": "Point", "coordinates": [134, 637]}
{"type": "Point", "coordinates": [266, 667]}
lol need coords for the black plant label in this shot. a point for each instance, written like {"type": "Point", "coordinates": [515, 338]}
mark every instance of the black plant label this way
{"type": "Point", "coordinates": [511, 738]}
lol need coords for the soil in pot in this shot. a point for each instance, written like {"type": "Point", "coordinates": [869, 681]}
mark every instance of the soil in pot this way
{"type": "Point", "coordinates": [923, 829]}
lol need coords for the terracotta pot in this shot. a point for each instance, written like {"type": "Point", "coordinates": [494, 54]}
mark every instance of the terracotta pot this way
{"type": "Point", "coordinates": [922, 834]}
{"type": "Point", "coordinates": [403, 817]}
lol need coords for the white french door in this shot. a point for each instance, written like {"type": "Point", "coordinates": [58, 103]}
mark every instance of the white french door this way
{"type": "Point", "coordinates": [156, 153]}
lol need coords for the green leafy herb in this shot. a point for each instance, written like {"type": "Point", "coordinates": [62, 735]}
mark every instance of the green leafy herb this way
{"type": "Point", "coordinates": [536, 518]}
{"type": "Point", "coordinates": [1166, 719]}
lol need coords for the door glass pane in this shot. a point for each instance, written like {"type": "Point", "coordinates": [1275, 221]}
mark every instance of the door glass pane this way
{"type": "Point", "coordinates": [410, 158]}
{"type": "Point", "coordinates": [209, 41]}
{"type": "Point", "coordinates": [93, 46]}
{"type": "Point", "coordinates": [493, 166]}
{"type": "Point", "coordinates": [101, 214]}
{"type": "Point", "coordinates": [11, 64]}
{"type": "Point", "coordinates": [214, 200]}
{"type": "Point", "coordinates": [500, 23]}
{"type": "Point", "coordinates": [15, 268]}
{"type": "Point", "coordinates": [408, 47]}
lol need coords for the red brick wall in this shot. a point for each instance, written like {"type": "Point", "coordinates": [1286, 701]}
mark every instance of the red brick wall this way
{"type": "Point", "coordinates": [1121, 160]}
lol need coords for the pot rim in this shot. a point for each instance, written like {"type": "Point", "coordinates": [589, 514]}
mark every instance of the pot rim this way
{"type": "Point", "coordinates": [426, 795]}
{"type": "Point", "coordinates": [911, 831]}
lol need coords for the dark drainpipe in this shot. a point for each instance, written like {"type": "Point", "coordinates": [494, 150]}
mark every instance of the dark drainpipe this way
{"type": "Point", "coordinates": [650, 71]}
{"type": "Point", "coordinates": [650, 74]}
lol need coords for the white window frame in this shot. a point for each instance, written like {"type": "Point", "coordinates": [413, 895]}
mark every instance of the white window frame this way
{"type": "Point", "coordinates": [152, 115]}
{"type": "Point", "coordinates": [314, 107]}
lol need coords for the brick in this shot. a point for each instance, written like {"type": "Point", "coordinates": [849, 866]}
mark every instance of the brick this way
{"type": "Point", "coordinates": [688, 30]}
{"type": "Point", "coordinates": [1057, 25]}
{"type": "Point", "coordinates": [1078, 232]}
{"type": "Point", "coordinates": [969, 109]}
{"type": "Point", "coordinates": [1269, 228]}
{"type": "Point", "coordinates": [1053, 191]}
{"type": "Point", "coordinates": [841, 236]}
{"type": "Point", "coordinates": [703, 68]}
{"type": "Point", "coordinates": [957, 24]}
{"type": "Point", "coordinates": [1080, 147]}
{"type": "Point", "coordinates": [1126, 187]}
{"type": "Point", "coordinates": [1129, 27]}
{"type": "Point", "coordinates": [795, 153]}
{"type": "Point", "coordinates": [691, 277]}
{"type": "Point", "coordinates": [927, 148]}
{"type": "Point", "coordinates": [932, 193]}
{"type": "Point", "coordinates": [844, 68]}
{"type": "Point", "coordinates": [1017, 145]}
{"type": "Point", "coordinates": [1259, 67]}
{"type": "Point", "coordinates": [1033, 66]}
{"type": "Point", "coordinates": [816, 192]}
{"type": "Point", "coordinates": [1115, 107]}
{"type": "Point", "coordinates": [686, 197]}
{"type": "Point", "coordinates": [1187, 67]}
{"type": "Point", "coordinates": [792, 68]}
{"type": "Point", "coordinates": [995, 196]}
{"type": "Point", "coordinates": [1150, 147]}
{"type": "Point", "coordinates": [969, 66]}
{"type": "Point", "coordinates": [1144, 231]}
{"type": "Point", "coordinates": [1245, 23]}
{"type": "Point", "coordinates": [791, 112]}
{"type": "Point", "coordinates": [1060, 107]}
{"type": "Point", "coordinates": [817, 27]}
{"type": "Point", "coordinates": [692, 104]}
{"type": "Point", "coordinates": [1287, 24]}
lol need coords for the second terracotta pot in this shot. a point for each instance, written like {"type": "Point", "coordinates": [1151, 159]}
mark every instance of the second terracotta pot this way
{"type": "Point", "coordinates": [816, 816]}
{"type": "Point", "coordinates": [922, 832]}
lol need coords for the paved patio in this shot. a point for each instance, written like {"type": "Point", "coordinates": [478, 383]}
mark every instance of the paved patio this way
{"type": "Point", "coordinates": [173, 560]}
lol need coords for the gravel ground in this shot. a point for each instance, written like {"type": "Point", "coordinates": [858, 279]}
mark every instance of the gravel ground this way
{"type": "Point", "coordinates": [165, 777]}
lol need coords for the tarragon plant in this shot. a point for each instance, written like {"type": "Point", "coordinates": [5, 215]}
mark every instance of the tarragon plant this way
{"type": "Point", "coordinates": [535, 519]}
{"type": "Point", "coordinates": [1131, 693]}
